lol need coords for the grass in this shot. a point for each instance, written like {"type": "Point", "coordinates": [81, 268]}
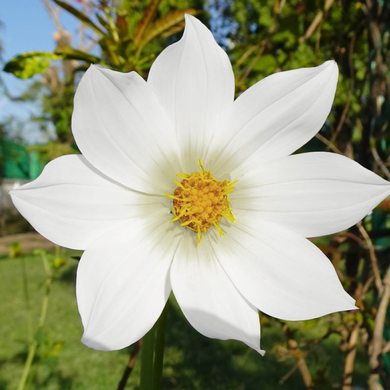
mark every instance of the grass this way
{"type": "Point", "coordinates": [192, 361]}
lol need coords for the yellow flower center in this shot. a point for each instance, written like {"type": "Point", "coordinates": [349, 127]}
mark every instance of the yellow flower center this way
{"type": "Point", "coordinates": [200, 201]}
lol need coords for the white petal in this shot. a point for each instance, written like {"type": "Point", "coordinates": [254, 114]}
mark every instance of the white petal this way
{"type": "Point", "coordinates": [274, 117]}
{"type": "Point", "coordinates": [312, 193]}
{"type": "Point", "coordinates": [208, 298]}
{"type": "Point", "coordinates": [72, 203]}
{"type": "Point", "coordinates": [194, 82]}
{"type": "Point", "coordinates": [123, 282]}
{"type": "Point", "coordinates": [279, 272]}
{"type": "Point", "coordinates": [122, 130]}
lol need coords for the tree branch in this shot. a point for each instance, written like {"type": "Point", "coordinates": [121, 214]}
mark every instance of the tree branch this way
{"type": "Point", "coordinates": [374, 259]}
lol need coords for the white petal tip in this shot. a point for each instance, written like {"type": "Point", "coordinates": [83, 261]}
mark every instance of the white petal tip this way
{"type": "Point", "coordinates": [97, 71]}
{"type": "Point", "coordinates": [256, 348]}
{"type": "Point", "coordinates": [329, 69]}
{"type": "Point", "coordinates": [332, 66]}
{"type": "Point", "coordinates": [188, 18]}
{"type": "Point", "coordinates": [330, 62]}
{"type": "Point", "coordinates": [193, 24]}
{"type": "Point", "coordinates": [341, 308]}
{"type": "Point", "coordinates": [94, 69]}
{"type": "Point", "coordinates": [15, 192]}
{"type": "Point", "coordinates": [349, 307]}
{"type": "Point", "coordinates": [95, 344]}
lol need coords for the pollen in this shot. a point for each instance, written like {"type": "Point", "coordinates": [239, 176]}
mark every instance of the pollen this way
{"type": "Point", "coordinates": [200, 201]}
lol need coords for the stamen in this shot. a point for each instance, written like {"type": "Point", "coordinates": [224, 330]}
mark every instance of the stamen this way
{"type": "Point", "coordinates": [199, 237]}
{"type": "Point", "coordinates": [200, 201]}
{"type": "Point", "coordinates": [178, 217]}
{"type": "Point", "coordinates": [178, 184]}
{"type": "Point", "coordinates": [183, 176]}
{"type": "Point", "coordinates": [201, 165]}
{"type": "Point", "coordinates": [172, 197]}
{"type": "Point", "coordinates": [221, 233]}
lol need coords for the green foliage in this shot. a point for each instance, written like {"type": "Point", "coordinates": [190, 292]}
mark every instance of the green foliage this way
{"type": "Point", "coordinates": [277, 34]}
{"type": "Point", "coordinates": [70, 53]}
{"type": "Point", "coordinates": [27, 65]}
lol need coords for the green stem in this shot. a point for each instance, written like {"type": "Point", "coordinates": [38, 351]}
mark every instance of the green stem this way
{"type": "Point", "coordinates": [152, 354]}
{"type": "Point", "coordinates": [45, 301]}
{"type": "Point", "coordinates": [147, 355]}
{"type": "Point", "coordinates": [159, 351]}
{"type": "Point", "coordinates": [27, 299]}
{"type": "Point", "coordinates": [31, 353]}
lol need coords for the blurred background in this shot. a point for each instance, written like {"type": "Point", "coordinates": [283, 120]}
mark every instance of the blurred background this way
{"type": "Point", "coordinates": [45, 48]}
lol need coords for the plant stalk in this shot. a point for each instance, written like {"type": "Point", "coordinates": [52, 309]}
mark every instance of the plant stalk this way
{"type": "Point", "coordinates": [152, 354]}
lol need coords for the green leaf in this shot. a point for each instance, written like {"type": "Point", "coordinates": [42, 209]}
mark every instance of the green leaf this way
{"type": "Point", "coordinates": [266, 63]}
{"type": "Point", "coordinates": [103, 22]}
{"type": "Point", "coordinates": [27, 65]}
{"type": "Point", "coordinates": [80, 16]}
{"type": "Point", "coordinates": [73, 54]}
{"type": "Point", "coordinates": [147, 18]}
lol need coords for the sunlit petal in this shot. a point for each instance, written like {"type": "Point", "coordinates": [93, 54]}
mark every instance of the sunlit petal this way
{"type": "Point", "coordinates": [194, 82]}
{"type": "Point", "coordinates": [72, 203]}
{"type": "Point", "coordinates": [121, 128]}
{"type": "Point", "coordinates": [279, 272]}
{"type": "Point", "coordinates": [312, 193]}
{"type": "Point", "coordinates": [274, 118]}
{"type": "Point", "coordinates": [123, 281]}
{"type": "Point", "coordinates": [208, 298]}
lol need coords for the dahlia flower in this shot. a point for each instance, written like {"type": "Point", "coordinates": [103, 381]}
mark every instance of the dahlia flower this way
{"type": "Point", "coordinates": [182, 188]}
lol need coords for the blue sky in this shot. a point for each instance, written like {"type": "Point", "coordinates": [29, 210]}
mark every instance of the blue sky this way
{"type": "Point", "coordinates": [26, 27]}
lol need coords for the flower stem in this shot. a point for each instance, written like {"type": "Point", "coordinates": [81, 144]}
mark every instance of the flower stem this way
{"type": "Point", "coordinates": [159, 351]}
{"type": "Point", "coordinates": [27, 300]}
{"type": "Point", "coordinates": [31, 353]}
{"type": "Point", "coordinates": [152, 355]}
{"type": "Point", "coordinates": [147, 360]}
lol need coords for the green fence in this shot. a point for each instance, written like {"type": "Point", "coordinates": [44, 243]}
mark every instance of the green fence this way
{"type": "Point", "coordinates": [16, 162]}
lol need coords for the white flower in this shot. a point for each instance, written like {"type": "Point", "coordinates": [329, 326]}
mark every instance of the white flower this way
{"type": "Point", "coordinates": [135, 136]}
